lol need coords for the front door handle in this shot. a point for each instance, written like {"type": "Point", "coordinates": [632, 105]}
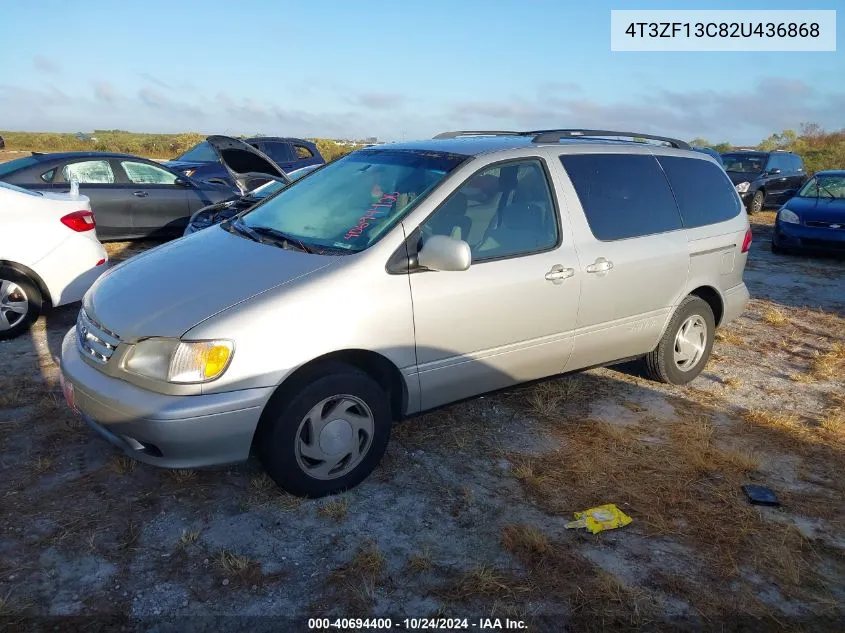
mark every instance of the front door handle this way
{"type": "Point", "coordinates": [558, 273]}
{"type": "Point", "coordinates": [140, 194]}
{"type": "Point", "coordinates": [601, 265]}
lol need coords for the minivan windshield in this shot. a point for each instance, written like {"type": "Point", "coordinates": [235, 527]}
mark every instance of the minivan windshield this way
{"type": "Point", "coordinates": [744, 163]}
{"type": "Point", "coordinates": [349, 204]}
{"type": "Point", "coordinates": [824, 186]}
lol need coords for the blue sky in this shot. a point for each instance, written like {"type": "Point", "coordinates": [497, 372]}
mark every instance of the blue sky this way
{"type": "Point", "coordinates": [392, 69]}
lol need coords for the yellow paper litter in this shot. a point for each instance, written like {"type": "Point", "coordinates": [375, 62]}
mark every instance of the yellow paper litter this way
{"type": "Point", "coordinates": [598, 519]}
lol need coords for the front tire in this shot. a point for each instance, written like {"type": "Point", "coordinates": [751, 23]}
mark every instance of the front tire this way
{"type": "Point", "coordinates": [778, 250]}
{"type": "Point", "coordinates": [20, 303]}
{"type": "Point", "coordinates": [757, 202]}
{"type": "Point", "coordinates": [328, 436]}
{"type": "Point", "coordinates": [685, 347]}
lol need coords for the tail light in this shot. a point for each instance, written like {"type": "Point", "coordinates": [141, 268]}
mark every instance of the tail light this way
{"type": "Point", "coordinates": [746, 243]}
{"type": "Point", "coordinates": [80, 221]}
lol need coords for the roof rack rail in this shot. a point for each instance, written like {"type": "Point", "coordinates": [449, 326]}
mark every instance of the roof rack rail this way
{"type": "Point", "coordinates": [554, 136]}
{"type": "Point", "coordinates": [458, 133]}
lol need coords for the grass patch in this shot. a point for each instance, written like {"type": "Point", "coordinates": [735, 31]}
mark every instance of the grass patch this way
{"type": "Point", "coordinates": [732, 382]}
{"type": "Point", "coordinates": [830, 364]}
{"type": "Point", "coordinates": [41, 464]}
{"type": "Point", "coordinates": [776, 317]}
{"type": "Point", "coordinates": [729, 337]}
{"type": "Point", "coordinates": [241, 569]}
{"type": "Point", "coordinates": [123, 465]}
{"type": "Point", "coordinates": [188, 537]}
{"type": "Point", "coordinates": [525, 540]}
{"type": "Point", "coordinates": [182, 475]}
{"type": "Point", "coordinates": [353, 585]}
{"type": "Point", "coordinates": [335, 509]}
{"type": "Point", "coordinates": [420, 562]}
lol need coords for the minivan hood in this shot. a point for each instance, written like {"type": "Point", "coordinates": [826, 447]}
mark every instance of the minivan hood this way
{"type": "Point", "coordinates": [244, 162]}
{"type": "Point", "coordinates": [169, 289]}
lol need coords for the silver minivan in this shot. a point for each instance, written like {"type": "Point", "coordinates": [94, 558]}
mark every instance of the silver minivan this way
{"type": "Point", "coordinates": [400, 278]}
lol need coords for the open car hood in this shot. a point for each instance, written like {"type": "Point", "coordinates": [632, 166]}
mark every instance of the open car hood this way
{"type": "Point", "coordinates": [244, 162]}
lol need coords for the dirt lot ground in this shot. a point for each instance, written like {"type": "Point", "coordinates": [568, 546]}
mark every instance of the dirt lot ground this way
{"type": "Point", "coordinates": [465, 517]}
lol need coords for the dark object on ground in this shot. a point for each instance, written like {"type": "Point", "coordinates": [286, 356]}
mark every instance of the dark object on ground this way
{"type": "Point", "coordinates": [760, 495]}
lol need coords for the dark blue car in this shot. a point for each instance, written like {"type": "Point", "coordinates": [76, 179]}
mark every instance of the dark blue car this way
{"type": "Point", "coordinates": [201, 162]}
{"type": "Point", "coordinates": [814, 219]}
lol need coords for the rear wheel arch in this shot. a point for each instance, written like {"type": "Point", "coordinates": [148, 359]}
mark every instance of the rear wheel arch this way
{"type": "Point", "coordinates": [46, 299]}
{"type": "Point", "coordinates": [713, 299]}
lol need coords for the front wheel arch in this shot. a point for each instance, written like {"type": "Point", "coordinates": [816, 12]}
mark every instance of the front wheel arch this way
{"type": "Point", "coordinates": [376, 366]}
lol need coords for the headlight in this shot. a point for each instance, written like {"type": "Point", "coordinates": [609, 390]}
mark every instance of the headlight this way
{"type": "Point", "coordinates": [743, 187]}
{"type": "Point", "coordinates": [172, 360]}
{"type": "Point", "coordinates": [790, 217]}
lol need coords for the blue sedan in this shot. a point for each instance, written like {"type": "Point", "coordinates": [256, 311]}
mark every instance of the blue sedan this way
{"type": "Point", "coordinates": [814, 219]}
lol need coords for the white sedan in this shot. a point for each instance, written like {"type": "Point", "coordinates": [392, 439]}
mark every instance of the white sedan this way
{"type": "Point", "coordinates": [49, 254]}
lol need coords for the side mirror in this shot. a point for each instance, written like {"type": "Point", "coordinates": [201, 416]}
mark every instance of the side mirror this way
{"type": "Point", "coordinates": [440, 252]}
{"type": "Point", "coordinates": [774, 172]}
{"type": "Point", "coordinates": [182, 182]}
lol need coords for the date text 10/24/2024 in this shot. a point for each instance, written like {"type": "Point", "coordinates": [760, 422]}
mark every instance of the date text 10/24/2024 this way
{"type": "Point", "coordinates": [431, 624]}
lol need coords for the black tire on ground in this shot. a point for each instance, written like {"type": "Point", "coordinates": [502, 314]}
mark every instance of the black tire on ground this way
{"type": "Point", "coordinates": [15, 287]}
{"type": "Point", "coordinates": [756, 204]}
{"type": "Point", "coordinates": [778, 250]}
{"type": "Point", "coordinates": [660, 364]}
{"type": "Point", "coordinates": [283, 427]}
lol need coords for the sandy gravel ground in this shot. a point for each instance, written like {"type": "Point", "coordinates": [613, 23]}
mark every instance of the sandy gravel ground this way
{"type": "Point", "coordinates": [465, 517]}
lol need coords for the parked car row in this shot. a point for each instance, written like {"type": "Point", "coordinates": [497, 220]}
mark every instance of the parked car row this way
{"type": "Point", "coordinates": [134, 197]}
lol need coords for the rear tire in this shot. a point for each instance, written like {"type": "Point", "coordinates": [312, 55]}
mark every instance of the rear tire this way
{"type": "Point", "coordinates": [685, 347]}
{"type": "Point", "coordinates": [20, 303]}
{"type": "Point", "coordinates": [329, 435]}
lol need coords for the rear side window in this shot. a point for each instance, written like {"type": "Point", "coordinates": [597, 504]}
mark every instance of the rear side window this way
{"type": "Point", "coordinates": [704, 192]}
{"type": "Point", "coordinates": [303, 152]}
{"type": "Point", "coordinates": [47, 176]}
{"type": "Point", "coordinates": [279, 152]}
{"type": "Point", "coordinates": [623, 195]}
{"type": "Point", "coordinates": [89, 172]}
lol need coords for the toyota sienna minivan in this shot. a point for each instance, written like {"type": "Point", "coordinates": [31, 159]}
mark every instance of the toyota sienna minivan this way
{"type": "Point", "coordinates": [401, 278]}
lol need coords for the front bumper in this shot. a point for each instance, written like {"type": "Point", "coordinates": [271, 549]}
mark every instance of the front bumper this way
{"type": "Point", "coordinates": [801, 237]}
{"type": "Point", "coordinates": [163, 430]}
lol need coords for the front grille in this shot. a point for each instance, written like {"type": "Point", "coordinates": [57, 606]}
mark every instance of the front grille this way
{"type": "Point", "coordinates": [93, 340]}
{"type": "Point", "coordinates": [836, 226]}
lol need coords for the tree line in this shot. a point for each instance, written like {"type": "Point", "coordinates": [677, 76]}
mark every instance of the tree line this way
{"type": "Point", "coordinates": [819, 149]}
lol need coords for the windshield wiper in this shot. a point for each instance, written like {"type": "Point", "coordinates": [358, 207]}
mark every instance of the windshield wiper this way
{"type": "Point", "coordinates": [239, 227]}
{"type": "Point", "coordinates": [279, 235]}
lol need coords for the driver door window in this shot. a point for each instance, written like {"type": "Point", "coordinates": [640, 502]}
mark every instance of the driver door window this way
{"type": "Point", "coordinates": [146, 174]}
{"type": "Point", "coordinates": [503, 211]}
